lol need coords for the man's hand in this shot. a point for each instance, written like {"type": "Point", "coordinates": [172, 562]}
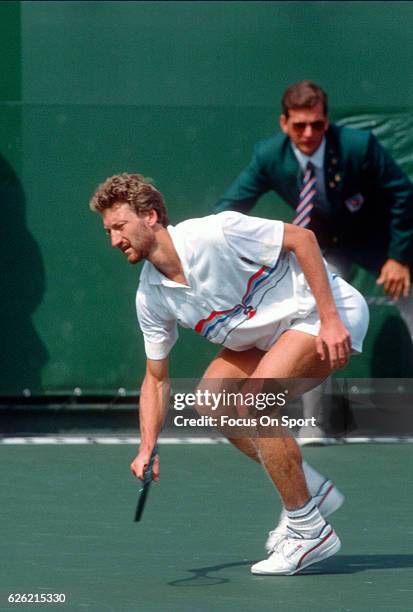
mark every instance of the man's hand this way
{"type": "Point", "coordinates": [334, 342]}
{"type": "Point", "coordinates": [395, 278]}
{"type": "Point", "coordinates": [140, 464]}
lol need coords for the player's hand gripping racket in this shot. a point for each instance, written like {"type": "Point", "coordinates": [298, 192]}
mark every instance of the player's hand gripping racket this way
{"type": "Point", "coordinates": [147, 480]}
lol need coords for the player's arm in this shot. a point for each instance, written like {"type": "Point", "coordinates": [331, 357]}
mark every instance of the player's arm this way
{"type": "Point", "coordinates": [153, 405]}
{"type": "Point", "coordinates": [383, 171]}
{"type": "Point", "coordinates": [333, 341]}
{"type": "Point", "coordinates": [251, 184]}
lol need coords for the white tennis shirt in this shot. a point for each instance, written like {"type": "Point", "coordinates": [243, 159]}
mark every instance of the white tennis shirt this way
{"type": "Point", "coordinates": [242, 291]}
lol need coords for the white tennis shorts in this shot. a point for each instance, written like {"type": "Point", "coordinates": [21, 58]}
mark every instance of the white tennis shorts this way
{"type": "Point", "coordinates": [353, 311]}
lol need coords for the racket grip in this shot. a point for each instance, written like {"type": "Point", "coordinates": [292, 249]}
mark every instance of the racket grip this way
{"type": "Point", "coordinates": [147, 477]}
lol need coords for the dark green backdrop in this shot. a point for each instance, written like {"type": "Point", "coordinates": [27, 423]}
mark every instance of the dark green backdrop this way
{"type": "Point", "coordinates": [179, 91]}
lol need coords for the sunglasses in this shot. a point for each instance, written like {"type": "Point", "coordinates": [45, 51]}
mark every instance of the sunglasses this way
{"type": "Point", "coordinates": [317, 126]}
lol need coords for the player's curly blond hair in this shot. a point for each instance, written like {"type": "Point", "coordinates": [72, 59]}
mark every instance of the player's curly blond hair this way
{"type": "Point", "coordinates": [132, 189]}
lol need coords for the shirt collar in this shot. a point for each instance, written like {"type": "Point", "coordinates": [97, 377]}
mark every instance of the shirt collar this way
{"type": "Point", "coordinates": [317, 158]}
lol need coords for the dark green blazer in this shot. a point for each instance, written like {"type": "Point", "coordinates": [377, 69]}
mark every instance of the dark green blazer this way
{"type": "Point", "coordinates": [370, 200]}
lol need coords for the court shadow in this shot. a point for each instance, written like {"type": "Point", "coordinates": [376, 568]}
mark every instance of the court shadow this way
{"type": "Point", "coordinates": [354, 564]}
{"type": "Point", "coordinates": [200, 576]}
{"type": "Point", "coordinates": [341, 564]}
{"type": "Point", "coordinates": [22, 286]}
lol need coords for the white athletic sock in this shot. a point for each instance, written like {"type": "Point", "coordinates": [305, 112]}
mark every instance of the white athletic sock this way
{"type": "Point", "coordinates": [307, 521]}
{"type": "Point", "coordinates": [313, 478]}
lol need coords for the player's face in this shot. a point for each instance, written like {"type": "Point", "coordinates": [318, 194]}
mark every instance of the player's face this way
{"type": "Point", "coordinates": [130, 233]}
{"type": "Point", "coordinates": [306, 127]}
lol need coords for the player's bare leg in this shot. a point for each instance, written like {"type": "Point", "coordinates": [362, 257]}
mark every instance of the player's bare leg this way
{"type": "Point", "coordinates": [233, 365]}
{"type": "Point", "coordinates": [304, 537]}
{"type": "Point", "coordinates": [294, 355]}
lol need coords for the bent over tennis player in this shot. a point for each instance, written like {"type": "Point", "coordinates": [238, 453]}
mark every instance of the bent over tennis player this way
{"type": "Point", "coordinates": [259, 288]}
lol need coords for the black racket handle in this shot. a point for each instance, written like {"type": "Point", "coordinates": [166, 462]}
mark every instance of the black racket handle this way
{"type": "Point", "coordinates": [147, 480]}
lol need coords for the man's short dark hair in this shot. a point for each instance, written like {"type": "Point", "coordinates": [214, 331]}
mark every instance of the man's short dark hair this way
{"type": "Point", "coordinates": [304, 94]}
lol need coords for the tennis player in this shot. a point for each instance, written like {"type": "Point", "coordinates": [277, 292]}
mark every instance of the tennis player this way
{"type": "Point", "coordinates": [261, 290]}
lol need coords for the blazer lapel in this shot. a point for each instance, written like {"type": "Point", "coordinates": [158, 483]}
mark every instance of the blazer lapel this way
{"type": "Point", "coordinates": [333, 171]}
{"type": "Point", "coordinates": [292, 174]}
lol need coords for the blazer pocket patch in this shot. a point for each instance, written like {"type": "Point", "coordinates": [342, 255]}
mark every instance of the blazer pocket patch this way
{"type": "Point", "coordinates": [354, 203]}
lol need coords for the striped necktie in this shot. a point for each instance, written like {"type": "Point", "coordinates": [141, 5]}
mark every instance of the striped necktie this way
{"type": "Point", "coordinates": [307, 197]}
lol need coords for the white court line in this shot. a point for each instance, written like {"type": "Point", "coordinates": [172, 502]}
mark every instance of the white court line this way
{"type": "Point", "coordinates": [99, 439]}
{"type": "Point", "coordinates": [361, 440]}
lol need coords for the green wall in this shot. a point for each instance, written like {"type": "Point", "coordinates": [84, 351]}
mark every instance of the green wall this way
{"type": "Point", "coordinates": [179, 91]}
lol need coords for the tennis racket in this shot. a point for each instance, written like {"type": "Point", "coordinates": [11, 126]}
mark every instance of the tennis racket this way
{"type": "Point", "coordinates": [147, 480]}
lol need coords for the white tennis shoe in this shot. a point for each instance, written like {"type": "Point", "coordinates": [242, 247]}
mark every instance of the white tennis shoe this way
{"type": "Point", "coordinates": [328, 499]}
{"type": "Point", "coordinates": [293, 553]}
